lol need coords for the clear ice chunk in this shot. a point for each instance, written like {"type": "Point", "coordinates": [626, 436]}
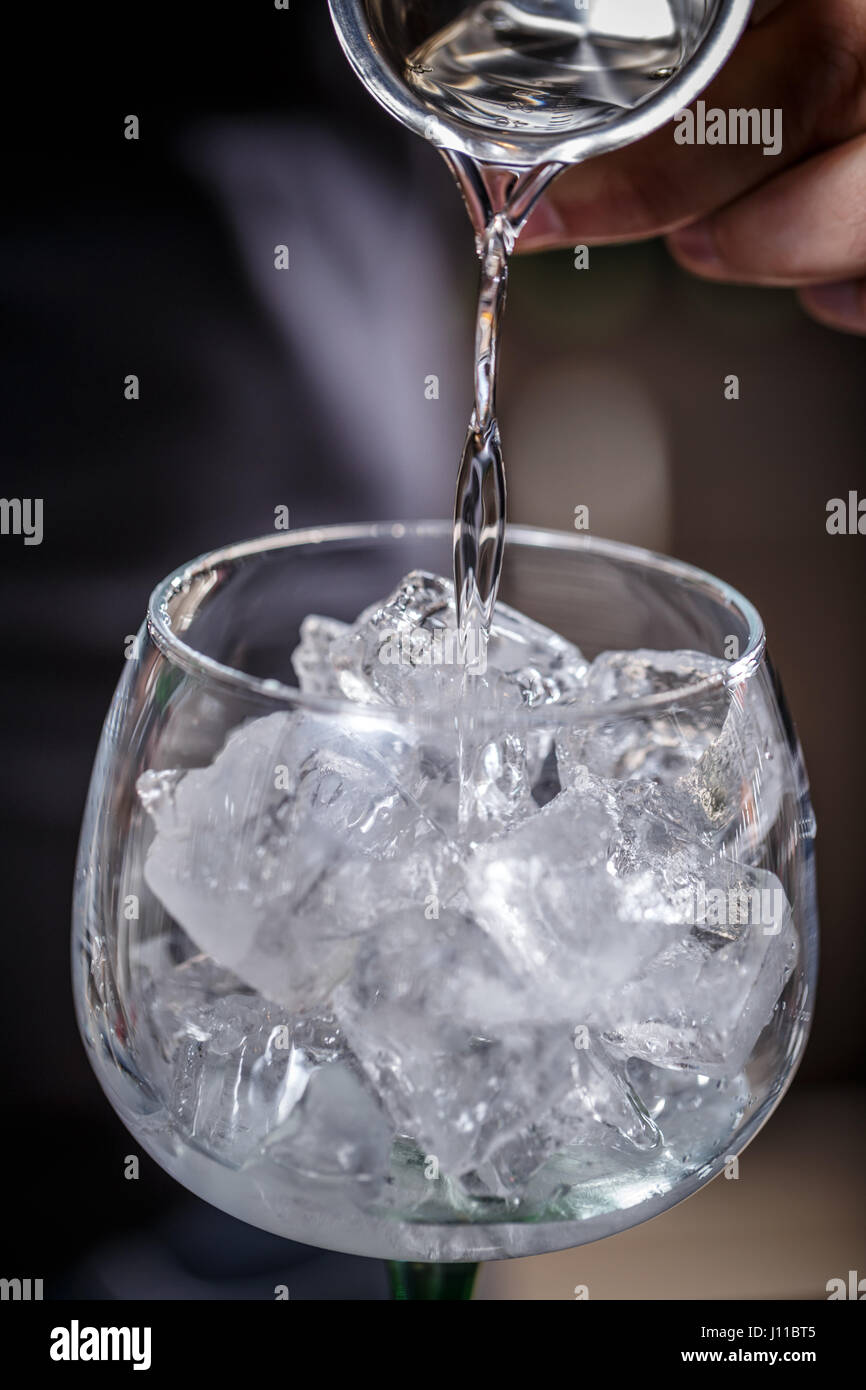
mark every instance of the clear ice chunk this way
{"type": "Point", "coordinates": [703, 1002]}
{"type": "Point", "coordinates": [739, 780]}
{"type": "Point", "coordinates": [451, 1038]}
{"type": "Point", "coordinates": [577, 897]}
{"type": "Point", "coordinates": [233, 1075]}
{"type": "Point", "coordinates": [337, 1130]}
{"type": "Point", "coordinates": [717, 752]}
{"type": "Point", "coordinates": [599, 1106]}
{"type": "Point", "coordinates": [310, 659]}
{"type": "Point", "coordinates": [634, 675]}
{"type": "Point", "coordinates": [402, 651]}
{"type": "Point", "coordinates": [247, 1081]}
{"type": "Point", "coordinates": [547, 668]}
{"type": "Point", "coordinates": [691, 1109]}
{"type": "Point", "coordinates": [679, 953]}
{"type": "Point", "coordinates": [258, 856]}
{"type": "Point", "coordinates": [657, 745]}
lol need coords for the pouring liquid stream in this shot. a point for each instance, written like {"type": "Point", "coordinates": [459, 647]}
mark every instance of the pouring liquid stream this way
{"type": "Point", "coordinates": [499, 201]}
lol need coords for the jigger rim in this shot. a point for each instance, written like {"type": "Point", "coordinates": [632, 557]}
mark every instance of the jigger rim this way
{"type": "Point", "coordinates": [515, 150]}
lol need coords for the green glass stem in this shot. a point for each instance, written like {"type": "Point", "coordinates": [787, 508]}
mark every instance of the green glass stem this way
{"type": "Point", "coordinates": [431, 1281]}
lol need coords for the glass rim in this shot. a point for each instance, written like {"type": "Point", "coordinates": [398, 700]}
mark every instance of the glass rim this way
{"type": "Point", "coordinates": [281, 695]}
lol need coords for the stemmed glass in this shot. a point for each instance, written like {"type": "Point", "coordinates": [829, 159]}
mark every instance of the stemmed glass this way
{"type": "Point", "coordinates": [276, 998]}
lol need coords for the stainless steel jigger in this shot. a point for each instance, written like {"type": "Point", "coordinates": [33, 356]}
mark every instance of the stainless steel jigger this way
{"type": "Point", "coordinates": [379, 37]}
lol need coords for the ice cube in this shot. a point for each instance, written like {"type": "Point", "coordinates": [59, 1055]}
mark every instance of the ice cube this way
{"type": "Point", "coordinates": [661, 745]}
{"type": "Point", "coordinates": [233, 1073]}
{"type": "Point", "coordinates": [717, 752]}
{"type": "Point", "coordinates": [741, 777]}
{"type": "Point", "coordinates": [705, 999]}
{"type": "Point", "coordinates": [337, 1131]}
{"type": "Point", "coordinates": [496, 785]}
{"type": "Point", "coordinates": [179, 992]}
{"type": "Point", "coordinates": [634, 675]}
{"type": "Point", "coordinates": [583, 894]}
{"type": "Point", "coordinates": [691, 1109]}
{"type": "Point", "coordinates": [230, 1066]}
{"type": "Point", "coordinates": [402, 651]}
{"type": "Point", "coordinates": [311, 658]}
{"type": "Point", "coordinates": [547, 668]}
{"type": "Point", "coordinates": [365, 787]}
{"type": "Point", "coordinates": [602, 1094]}
{"type": "Point", "coordinates": [451, 1037]}
{"type": "Point", "coordinates": [625, 917]}
{"type": "Point", "coordinates": [599, 1109]}
{"type": "Point", "coordinates": [256, 855]}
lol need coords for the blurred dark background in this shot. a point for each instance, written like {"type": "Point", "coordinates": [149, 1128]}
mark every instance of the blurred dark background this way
{"type": "Point", "coordinates": [305, 388]}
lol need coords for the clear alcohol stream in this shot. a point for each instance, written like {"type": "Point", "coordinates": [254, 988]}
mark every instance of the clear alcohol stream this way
{"type": "Point", "coordinates": [534, 66]}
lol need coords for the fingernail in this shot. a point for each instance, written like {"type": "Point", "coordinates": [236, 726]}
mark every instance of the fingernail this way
{"type": "Point", "coordinates": [697, 243]}
{"type": "Point", "coordinates": [545, 224]}
{"type": "Point", "coordinates": [842, 300]}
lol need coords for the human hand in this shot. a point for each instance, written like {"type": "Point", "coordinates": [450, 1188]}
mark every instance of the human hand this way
{"type": "Point", "coordinates": [731, 212]}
